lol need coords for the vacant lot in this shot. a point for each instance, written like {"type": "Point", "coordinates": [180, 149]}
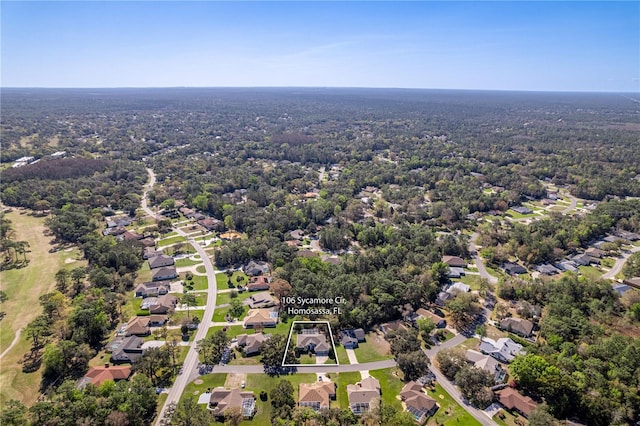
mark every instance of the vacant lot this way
{"type": "Point", "coordinates": [24, 287]}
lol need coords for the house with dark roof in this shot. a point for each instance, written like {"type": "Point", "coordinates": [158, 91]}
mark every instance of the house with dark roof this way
{"type": "Point", "coordinates": [584, 259]}
{"type": "Point", "coordinates": [633, 282]}
{"type": "Point", "coordinates": [159, 305]}
{"type": "Point", "coordinates": [160, 261]}
{"type": "Point", "coordinates": [511, 399]}
{"type": "Point", "coordinates": [223, 399]}
{"type": "Point", "coordinates": [252, 343]}
{"type": "Point", "coordinates": [211, 224]}
{"type": "Point", "coordinates": [621, 289]}
{"type": "Point", "coordinates": [98, 375]}
{"type": "Point", "coordinates": [316, 396]}
{"type": "Point", "coordinates": [130, 236]}
{"type": "Point", "coordinates": [162, 274]}
{"type": "Point", "coordinates": [362, 394]}
{"type": "Point", "coordinates": [595, 252]}
{"type": "Point", "coordinates": [351, 337]}
{"type": "Point", "coordinates": [417, 403]}
{"type": "Point", "coordinates": [547, 269]}
{"type": "Point", "coordinates": [522, 210]}
{"type": "Point", "coordinates": [119, 222]}
{"type": "Point", "coordinates": [455, 272]}
{"type": "Point", "coordinates": [454, 261]}
{"type": "Point", "coordinates": [514, 269]}
{"type": "Point", "coordinates": [126, 349]}
{"type": "Point", "coordinates": [150, 252]}
{"type": "Point", "coordinates": [518, 326]}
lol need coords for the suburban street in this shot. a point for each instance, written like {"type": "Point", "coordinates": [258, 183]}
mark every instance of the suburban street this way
{"type": "Point", "coordinates": [191, 361]}
{"type": "Point", "coordinates": [342, 368]}
{"type": "Point", "coordinates": [450, 387]}
{"type": "Point", "coordinates": [617, 267]}
{"type": "Point", "coordinates": [479, 262]}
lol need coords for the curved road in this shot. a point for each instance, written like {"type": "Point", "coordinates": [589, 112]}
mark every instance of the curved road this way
{"type": "Point", "coordinates": [617, 267]}
{"type": "Point", "coordinates": [574, 202]}
{"type": "Point", "coordinates": [191, 361]}
{"type": "Point", "coordinates": [13, 343]}
{"type": "Point", "coordinates": [479, 262]}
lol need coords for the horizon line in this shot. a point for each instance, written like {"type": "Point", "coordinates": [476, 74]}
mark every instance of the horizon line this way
{"type": "Point", "coordinates": [313, 87]}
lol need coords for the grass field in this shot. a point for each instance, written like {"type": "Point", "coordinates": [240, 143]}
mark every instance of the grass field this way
{"type": "Point", "coordinates": [23, 288]}
{"type": "Point", "coordinates": [201, 269]}
{"type": "Point", "coordinates": [590, 272]}
{"type": "Point", "coordinates": [450, 412]}
{"type": "Point", "coordinates": [199, 282]}
{"type": "Point", "coordinates": [221, 280]}
{"type": "Point", "coordinates": [187, 262]}
{"type": "Point", "coordinates": [171, 240]}
{"type": "Point", "coordinates": [224, 298]}
{"type": "Point", "coordinates": [342, 380]}
{"type": "Point", "coordinates": [341, 353]}
{"type": "Point", "coordinates": [368, 352]}
{"type": "Point", "coordinates": [390, 385]}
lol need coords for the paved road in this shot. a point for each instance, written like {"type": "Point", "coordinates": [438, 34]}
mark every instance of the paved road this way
{"type": "Point", "coordinates": [479, 262]}
{"type": "Point", "coordinates": [191, 361]}
{"type": "Point", "coordinates": [572, 205]}
{"type": "Point", "coordinates": [253, 369]}
{"type": "Point", "coordinates": [617, 267]}
{"type": "Point", "coordinates": [479, 415]}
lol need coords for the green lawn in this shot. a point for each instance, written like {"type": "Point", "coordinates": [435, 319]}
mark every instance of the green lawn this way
{"type": "Point", "coordinates": [187, 262]}
{"type": "Point", "coordinates": [470, 343]}
{"type": "Point", "coordinates": [201, 269]}
{"type": "Point", "coordinates": [23, 288]}
{"type": "Point", "coordinates": [208, 381]}
{"type": "Point", "coordinates": [221, 280]}
{"type": "Point", "coordinates": [171, 240]}
{"type": "Point", "coordinates": [607, 261]}
{"type": "Point", "coordinates": [514, 214]}
{"type": "Point", "coordinates": [219, 314]}
{"type": "Point", "coordinates": [144, 273]}
{"type": "Point", "coordinates": [342, 380]}
{"type": "Point", "coordinates": [341, 353]}
{"type": "Point", "coordinates": [199, 282]}
{"type": "Point", "coordinates": [178, 316]}
{"type": "Point", "coordinates": [509, 419]}
{"type": "Point", "coordinates": [368, 352]}
{"type": "Point", "coordinates": [224, 298]}
{"type": "Point", "coordinates": [232, 331]}
{"type": "Point", "coordinates": [390, 385]}
{"type": "Point", "coordinates": [263, 382]}
{"type": "Point", "coordinates": [450, 412]}
{"type": "Point", "coordinates": [590, 272]}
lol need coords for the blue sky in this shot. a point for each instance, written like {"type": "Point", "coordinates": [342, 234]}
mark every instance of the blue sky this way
{"type": "Point", "coordinates": [549, 46]}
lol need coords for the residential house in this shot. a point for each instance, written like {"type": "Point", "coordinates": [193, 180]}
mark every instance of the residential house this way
{"type": "Point", "coordinates": [152, 289]}
{"type": "Point", "coordinates": [567, 265]}
{"type": "Point", "coordinates": [262, 300]}
{"type": "Point", "coordinates": [317, 395]}
{"type": "Point", "coordinates": [351, 337]}
{"type": "Point", "coordinates": [162, 274]}
{"type": "Point", "coordinates": [260, 318]}
{"type": "Point", "coordinates": [312, 341]}
{"type": "Point", "coordinates": [518, 326]}
{"type": "Point", "coordinates": [211, 224]}
{"type": "Point", "coordinates": [254, 269]}
{"type": "Point", "coordinates": [417, 403]}
{"type": "Point", "coordinates": [223, 399]}
{"type": "Point", "coordinates": [455, 272]}
{"type": "Point", "coordinates": [362, 394]}
{"type": "Point", "coordinates": [161, 261]}
{"type": "Point", "coordinates": [159, 305]}
{"type": "Point", "coordinates": [150, 252]}
{"type": "Point", "coordinates": [454, 261]}
{"type": "Point", "coordinates": [621, 289]}
{"type": "Point", "coordinates": [258, 283]}
{"type": "Point", "coordinates": [522, 210]}
{"type": "Point", "coordinates": [633, 282]}
{"type": "Point", "coordinates": [130, 236]}
{"type": "Point", "coordinates": [437, 319]}
{"type": "Point", "coordinates": [114, 231]}
{"type": "Point", "coordinates": [488, 364]}
{"type": "Point", "coordinates": [98, 375]}
{"type": "Point", "coordinates": [504, 349]}
{"type": "Point", "coordinates": [392, 326]}
{"type": "Point", "coordinates": [458, 287]}
{"type": "Point", "coordinates": [584, 259]}
{"type": "Point", "coordinates": [511, 399]}
{"type": "Point", "coordinates": [148, 242]}
{"type": "Point", "coordinates": [298, 234]}
{"type": "Point", "coordinates": [138, 326]}
{"type": "Point", "coordinates": [126, 349]}
{"type": "Point", "coordinates": [119, 222]}
{"type": "Point", "coordinates": [595, 252]}
{"type": "Point", "coordinates": [547, 269]}
{"type": "Point", "coordinates": [443, 297]}
{"type": "Point", "coordinates": [514, 269]}
{"type": "Point", "coordinates": [252, 343]}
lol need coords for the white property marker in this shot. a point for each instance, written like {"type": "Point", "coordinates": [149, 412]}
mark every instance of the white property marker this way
{"type": "Point", "coordinates": [284, 356]}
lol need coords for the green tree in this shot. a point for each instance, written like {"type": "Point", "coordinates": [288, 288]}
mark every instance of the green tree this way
{"type": "Point", "coordinates": [632, 266]}
{"type": "Point", "coordinates": [450, 361]}
{"type": "Point", "coordinates": [237, 309]}
{"type": "Point", "coordinates": [190, 300]}
{"type": "Point", "coordinates": [189, 413]}
{"type": "Point", "coordinates": [13, 414]}
{"type": "Point", "coordinates": [474, 385]}
{"type": "Point", "coordinates": [413, 364]}
{"type": "Point", "coordinates": [282, 401]}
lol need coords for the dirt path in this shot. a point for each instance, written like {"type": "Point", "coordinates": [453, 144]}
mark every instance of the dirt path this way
{"type": "Point", "coordinates": [13, 343]}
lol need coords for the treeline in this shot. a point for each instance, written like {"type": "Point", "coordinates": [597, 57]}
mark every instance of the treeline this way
{"type": "Point", "coordinates": [550, 239]}
{"type": "Point", "coordinates": [74, 181]}
{"type": "Point", "coordinates": [587, 364]}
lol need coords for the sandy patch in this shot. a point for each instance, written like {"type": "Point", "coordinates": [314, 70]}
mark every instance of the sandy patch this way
{"type": "Point", "coordinates": [69, 260]}
{"type": "Point", "coordinates": [198, 381]}
{"type": "Point", "coordinates": [234, 380]}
